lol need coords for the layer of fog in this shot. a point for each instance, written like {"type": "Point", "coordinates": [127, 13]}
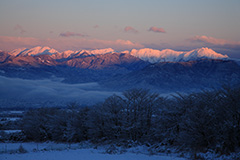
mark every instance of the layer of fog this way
{"type": "Point", "coordinates": [16, 92]}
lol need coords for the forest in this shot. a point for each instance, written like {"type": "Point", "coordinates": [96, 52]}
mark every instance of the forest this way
{"type": "Point", "coordinates": [197, 122]}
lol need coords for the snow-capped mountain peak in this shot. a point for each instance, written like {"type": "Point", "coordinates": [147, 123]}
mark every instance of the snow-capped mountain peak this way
{"type": "Point", "coordinates": [40, 50]}
{"type": "Point", "coordinates": [203, 53]}
{"type": "Point", "coordinates": [33, 51]}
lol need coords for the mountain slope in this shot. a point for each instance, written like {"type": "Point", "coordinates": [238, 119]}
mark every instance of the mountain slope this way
{"type": "Point", "coordinates": [82, 60]}
{"type": "Point", "coordinates": [81, 67]}
{"type": "Point", "coordinates": [180, 76]}
{"type": "Point", "coordinates": [18, 51]}
{"type": "Point", "coordinates": [29, 61]}
{"type": "Point", "coordinates": [3, 56]}
{"type": "Point", "coordinates": [108, 61]}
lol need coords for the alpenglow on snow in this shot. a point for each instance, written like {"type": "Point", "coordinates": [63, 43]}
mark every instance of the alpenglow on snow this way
{"type": "Point", "coordinates": [146, 54]}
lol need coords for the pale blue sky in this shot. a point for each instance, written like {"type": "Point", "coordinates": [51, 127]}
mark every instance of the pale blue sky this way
{"type": "Point", "coordinates": [181, 19]}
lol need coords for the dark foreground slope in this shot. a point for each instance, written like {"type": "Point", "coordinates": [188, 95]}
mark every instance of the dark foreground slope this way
{"type": "Point", "coordinates": [180, 76]}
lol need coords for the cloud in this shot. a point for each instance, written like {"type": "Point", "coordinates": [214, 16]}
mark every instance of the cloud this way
{"type": "Point", "coordinates": [130, 29]}
{"type": "Point", "coordinates": [214, 41]}
{"type": "Point", "coordinates": [62, 44]}
{"type": "Point", "coordinates": [72, 34]}
{"type": "Point", "coordinates": [229, 47]}
{"type": "Point", "coordinates": [19, 28]}
{"type": "Point", "coordinates": [156, 29]}
{"type": "Point", "coordinates": [33, 92]}
{"type": "Point", "coordinates": [9, 43]}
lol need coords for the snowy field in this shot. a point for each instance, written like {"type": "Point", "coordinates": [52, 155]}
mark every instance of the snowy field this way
{"type": "Point", "coordinates": [81, 154]}
{"type": "Point", "coordinates": [51, 151]}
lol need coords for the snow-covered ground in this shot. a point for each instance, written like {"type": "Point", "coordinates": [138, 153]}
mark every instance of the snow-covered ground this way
{"type": "Point", "coordinates": [11, 131]}
{"type": "Point", "coordinates": [81, 154]}
{"type": "Point", "coordinates": [87, 151]}
{"type": "Point", "coordinates": [51, 151]}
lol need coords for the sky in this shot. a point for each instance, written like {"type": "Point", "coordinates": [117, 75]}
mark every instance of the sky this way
{"type": "Point", "coordinates": [121, 25]}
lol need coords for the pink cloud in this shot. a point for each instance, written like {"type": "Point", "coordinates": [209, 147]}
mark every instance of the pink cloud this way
{"type": "Point", "coordinates": [19, 28]}
{"type": "Point", "coordinates": [214, 41]}
{"type": "Point", "coordinates": [72, 34]}
{"type": "Point", "coordinates": [61, 44]}
{"type": "Point", "coordinates": [10, 43]}
{"type": "Point", "coordinates": [156, 29]}
{"type": "Point", "coordinates": [130, 29]}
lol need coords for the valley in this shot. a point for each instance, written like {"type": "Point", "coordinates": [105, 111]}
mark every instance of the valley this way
{"type": "Point", "coordinates": [42, 76]}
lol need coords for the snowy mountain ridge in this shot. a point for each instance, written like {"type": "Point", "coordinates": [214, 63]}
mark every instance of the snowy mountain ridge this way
{"type": "Point", "coordinates": [33, 51]}
{"type": "Point", "coordinates": [168, 55]}
{"type": "Point", "coordinates": [146, 54]}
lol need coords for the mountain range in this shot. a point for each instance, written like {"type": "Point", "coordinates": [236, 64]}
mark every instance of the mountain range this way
{"type": "Point", "coordinates": [146, 54]}
{"type": "Point", "coordinates": [165, 70]}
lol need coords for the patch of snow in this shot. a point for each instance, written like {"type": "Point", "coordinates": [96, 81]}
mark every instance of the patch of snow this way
{"type": "Point", "coordinates": [16, 112]}
{"type": "Point", "coordinates": [17, 52]}
{"type": "Point", "coordinates": [101, 51]}
{"type": "Point", "coordinates": [126, 51]}
{"type": "Point", "coordinates": [11, 131]}
{"type": "Point", "coordinates": [65, 54]}
{"type": "Point", "coordinates": [11, 118]}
